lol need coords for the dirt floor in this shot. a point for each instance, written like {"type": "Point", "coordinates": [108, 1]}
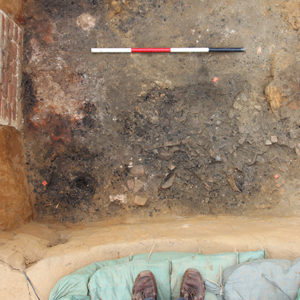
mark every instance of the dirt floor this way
{"type": "Point", "coordinates": [48, 252]}
{"type": "Point", "coordinates": [111, 135]}
{"type": "Point", "coordinates": [144, 143]}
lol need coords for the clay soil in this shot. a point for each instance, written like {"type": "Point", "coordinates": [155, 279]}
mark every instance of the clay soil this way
{"type": "Point", "coordinates": [180, 134]}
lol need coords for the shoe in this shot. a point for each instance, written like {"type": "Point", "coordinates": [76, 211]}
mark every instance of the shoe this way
{"type": "Point", "coordinates": [192, 286]}
{"type": "Point", "coordinates": [144, 286]}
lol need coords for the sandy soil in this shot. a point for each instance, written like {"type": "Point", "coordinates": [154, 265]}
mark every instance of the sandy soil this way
{"type": "Point", "coordinates": [48, 252]}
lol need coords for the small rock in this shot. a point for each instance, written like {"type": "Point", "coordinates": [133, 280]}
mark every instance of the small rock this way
{"type": "Point", "coordinates": [122, 198]}
{"type": "Point", "coordinates": [274, 97]}
{"type": "Point", "coordinates": [218, 158]}
{"type": "Point", "coordinates": [242, 140]}
{"type": "Point", "coordinates": [169, 182]}
{"type": "Point", "coordinates": [130, 184]}
{"type": "Point", "coordinates": [138, 185]}
{"type": "Point", "coordinates": [137, 170]}
{"type": "Point", "coordinates": [165, 155]}
{"type": "Point", "coordinates": [237, 105]}
{"type": "Point", "coordinates": [293, 134]}
{"type": "Point", "coordinates": [268, 143]}
{"type": "Point", "coordinates": [215, 79]}
{"type": "Point", "coordinates": [274, 139]}
{"type": "Point", "coordinates": [171, 166]}
{"type": "Point", "coordinates": [258, 50]}
{"type": "Point", "coordinates": [140, 200]}
{"type": "Point", "coordinates": [86, 21]}
{"type": "Point", "coordinates": [116, 6]}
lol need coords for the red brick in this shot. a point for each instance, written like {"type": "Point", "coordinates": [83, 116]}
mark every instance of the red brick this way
{"type": "Point", "coordinates": [11, 26]}
{"type": "Point", "coordinates": [1, 65]}
{"type": "Point", "coordinates": [12, 71]}
{"type": "Point", "coordinates": [0, 100]}
{"type": "Point", "coordinates": [11, 92]}
{"type": "Point", "coordinates": [3, 28]}
{"type": "Point", "coordinates": [14, 110]}
{"type": "Point", "coordinates": [12, 51]}
{"type": "Point", "coordinates": [9, 112]}
{"type": "Point", "coordinates": [16, 33]}
{"type": "Point", "coordinates": [5, 84]}
{"type": "Point", "coordinates": [15, 81]}
{"type": "Point", "coordinates": [5, 111]}
{"type": "Point", "coordinates": [20, 40]}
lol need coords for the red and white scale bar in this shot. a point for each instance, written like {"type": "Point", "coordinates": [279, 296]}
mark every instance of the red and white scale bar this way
{"type": "Point", "coordinates": [165, 50]}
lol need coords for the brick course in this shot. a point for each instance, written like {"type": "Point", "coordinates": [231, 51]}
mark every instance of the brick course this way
{"type": "Point", "coordinates": [11, 39]}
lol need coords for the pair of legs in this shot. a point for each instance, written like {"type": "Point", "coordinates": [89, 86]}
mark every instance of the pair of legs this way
{"type": "Point", "coordinates": [192, 286]}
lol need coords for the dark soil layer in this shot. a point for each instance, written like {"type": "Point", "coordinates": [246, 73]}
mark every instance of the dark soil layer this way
{"type": "Point", "coordinates": [182, 134]}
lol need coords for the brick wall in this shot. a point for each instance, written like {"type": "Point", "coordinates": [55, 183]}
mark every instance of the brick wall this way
{"type": "Point", "coordinates": [11, 41]}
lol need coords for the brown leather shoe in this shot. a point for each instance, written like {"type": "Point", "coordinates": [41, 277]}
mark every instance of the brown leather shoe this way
{"type": "Point", "coordinates": [192, 286]}
{"type": "Point", "coordinates": [144, 286]}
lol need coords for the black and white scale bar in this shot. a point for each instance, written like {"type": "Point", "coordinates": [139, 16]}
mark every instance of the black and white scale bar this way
{"type": "Point", "coordinates": [165, 50]}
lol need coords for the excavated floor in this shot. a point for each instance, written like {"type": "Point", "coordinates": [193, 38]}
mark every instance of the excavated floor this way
{"type": "Point", "coordinates": [185, 134]}
{"type": "Point", "coordinates": [146, 142]}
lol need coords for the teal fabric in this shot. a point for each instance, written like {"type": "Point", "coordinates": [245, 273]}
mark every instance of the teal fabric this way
{"type": "Point", "coordinates": [298, 298]}
{"type": "Point", "coordinates": [106, 283]}
{"type": "Point", "coordinates": [210, 267]}
{"type": "Point", "coordinates": [276, 279]}
{"type": "Point", "coordinates": [114, 279]}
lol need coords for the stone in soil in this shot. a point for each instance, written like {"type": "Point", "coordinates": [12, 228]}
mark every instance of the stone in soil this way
{"type": "Point", "coordinates": [169, 182]}
{"type": "Point", "coordinates": [137, 170]}
{"type": "Point", "coordinates": [140, 200]}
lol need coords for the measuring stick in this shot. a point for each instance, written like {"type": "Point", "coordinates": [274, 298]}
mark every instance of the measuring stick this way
{"type": "Point", "coordinates": [165, 50]}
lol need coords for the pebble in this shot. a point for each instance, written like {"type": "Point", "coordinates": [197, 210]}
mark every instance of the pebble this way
{"type": "Point", "coordinates": [268, 143]}
{"type": "Point", "coordinates": [140, 200]}
{"type": "Point", "coordinates": [138, 185]}
{"type": "Point", "coordinates": [86, 21]}
{"type": "Point", "coordinates": [274, 97]}
{"type": "Point", "coordinates": [218, 158]}
{"type": "Point", "coordinates": [169, 182]}
{"type": "Point", "coordinates": [130, 184]}
{"type": "Point", "coordinates": [137, 170]}
{"type": "Point", "coordinates": [122, 198]}
{"type": "Point", "coordinates": [274, 139]}
{"type": "Point", "coordinates": [259, 50]}
{"type": "Point", "coordinates": [215, 79]}
{"type": "Point", "coordinates": [116, 6]}
{"type": "Point", "coordinates": [171, 166]}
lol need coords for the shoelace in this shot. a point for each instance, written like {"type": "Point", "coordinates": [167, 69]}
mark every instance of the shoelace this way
{"type": "Point", "coordinates": [146, 295]}
{"type": "Point", "coordinates": [190, 292]}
